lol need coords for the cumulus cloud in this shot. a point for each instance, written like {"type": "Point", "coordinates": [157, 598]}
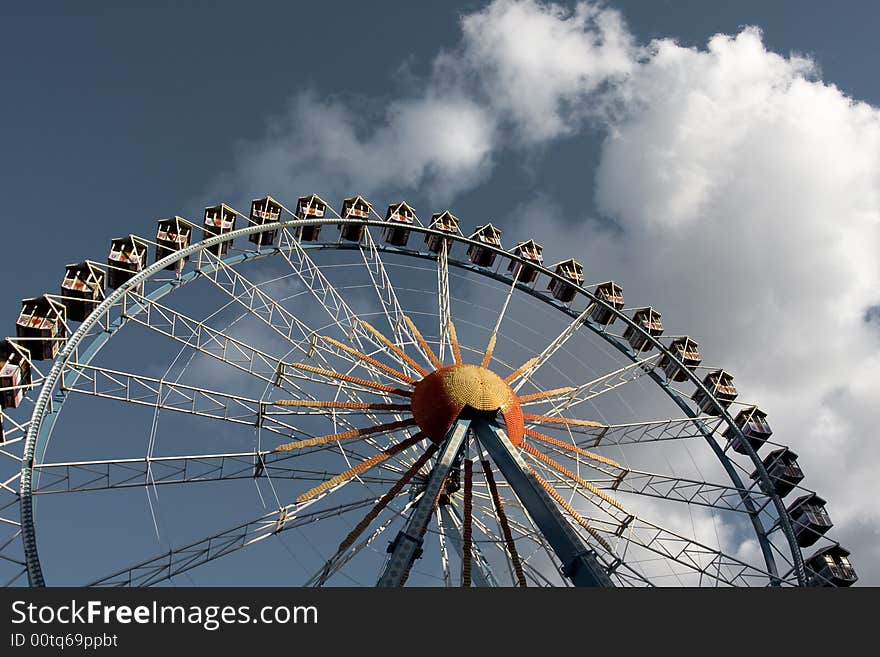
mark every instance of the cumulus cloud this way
{"type": "Point", "coordinates": [748, 195]}
{"type": "Point", "coordinates": [746, 190]}
{"type": "Point", "coordinates": [441, 142]}
{"type": "Point", "coordinates": [538, 63]}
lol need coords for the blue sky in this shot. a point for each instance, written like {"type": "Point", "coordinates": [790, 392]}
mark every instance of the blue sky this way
{"type": "Point", "coordinates": [116, 114]}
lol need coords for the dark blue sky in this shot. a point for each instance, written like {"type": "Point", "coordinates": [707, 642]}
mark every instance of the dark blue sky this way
{"type": "Point", "coordinates": [116, 114]}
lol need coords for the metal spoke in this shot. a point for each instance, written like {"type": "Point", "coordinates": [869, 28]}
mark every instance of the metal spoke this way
{"type": "Point", "coordinates": [444, 311]}
{"type": "Point", "coordinates": [81, 476]}
{"type": "Point", "coordinates": [381, 281]}
{"type": "Point", "coordinates": [179, 560]}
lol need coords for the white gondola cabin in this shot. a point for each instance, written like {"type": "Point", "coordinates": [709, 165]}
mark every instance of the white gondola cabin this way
{"type": "Point", "coordinates": [612, 294]}
{"type": "Point", "coordinates": [783, 469]}
{"type": "Point", "coordinates": [721, 387]}
{"type": "Point", "coordinates": [488, 235]}
{"type": "Point", "coordinates": [809, 519]}
{"type": "Point", "coordinates": [15, 373]}
{"type": "Point", "coordinates": [651, 323]}
{"type": "Point", "coordinates": [358, 209]}
{"type": "Point", "coordinates": [400, 216]}
{"type": "Point", "coordinates": [82, 288]}
{"type": "Point", "coordinates": [531, 252]}
{"type": "Point", "coordinates": [219, 220]}
{"type": "Point", "coordinates": [264, 210]}
{"type": "Point", "coordinates": [128, 256]}
{"type": "Point", "coordinates": [830, 566]}
{"type": "Point", "coordinates": [572, 273]}
{"type": "Point", "coordinates": [310, 207]}
{"type": "Point", "coordinates": [752, 421]}
{"type": "Point", "coordinates": [172, 235]}
{"type": "Point", "coordinates": [685, 350]}
{"type": "Point", "coordinates": [445, 222]}
{"type": "Point", "coordinates": [41, 322]}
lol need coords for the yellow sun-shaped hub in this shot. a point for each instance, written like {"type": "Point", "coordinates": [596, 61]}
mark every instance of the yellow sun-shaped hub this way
{"type": "Point", "coordinates": [440, 397]}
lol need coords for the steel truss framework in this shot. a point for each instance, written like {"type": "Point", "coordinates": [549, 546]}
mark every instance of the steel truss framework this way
{"type": "Point", "coordinates": [372, 388]}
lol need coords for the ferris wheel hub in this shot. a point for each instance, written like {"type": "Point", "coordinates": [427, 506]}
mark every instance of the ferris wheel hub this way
{"type": "Point", "coordinates": [440, 397]}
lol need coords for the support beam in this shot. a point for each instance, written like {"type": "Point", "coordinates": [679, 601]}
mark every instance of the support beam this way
{"type": "Point", "coordinates": [407, 546]}
{"type": "Point", "coordinates": [579, 562]}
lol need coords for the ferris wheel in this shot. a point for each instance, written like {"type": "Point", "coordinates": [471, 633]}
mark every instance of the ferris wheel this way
{"type": "Point", "coordinates": [314, 397]}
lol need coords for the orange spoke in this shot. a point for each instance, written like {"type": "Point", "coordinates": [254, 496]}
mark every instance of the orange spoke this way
{"type": "Point", "coordinates": [305, 403]}
{"type": "Point", "coordinates": [346, 435]}
{"type": "Point", "coordinates": [456, 349]}
{"type": "Point", "coordinates": [541, 456]}
{"type": "Point", "coordinates": [518, 372]}
{"type": "Point", "coordinates": [555, 419]}
{"type": "Point", "coordinates": [505, 525]}
{"type": "Point", "coordinates": [467, 523]}
{"type": "Point", "coordinates": [349, 540]}
{"type": "Point", "coordinates": [570, 509]}
{"type": "Point", "coordinates": [487, 355]}
{"type": "Point", "coordinates": [543, 395]}
{"type": "Point", "coordinates": [573, 448]}
{"type": "Point", "coordinates": [422, 343]}
{"type": "Point", "coordinates": [393, 347]}
{"type": "Point", "coordinates": [361, 467]}
{"type": "Point", "coordinates": [368, 359]}
{"type": "Point", "coordinates": [350, 379]}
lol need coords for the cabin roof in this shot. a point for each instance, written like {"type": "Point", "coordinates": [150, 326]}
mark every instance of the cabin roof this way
{"type": "Point", "coordinates": [487, 228]}
{"type": "Point", "coordinates": [778, 453]}
{"type": "Point", "coordinates": [43, 300]}
{"type": "Point", "coordinates": [531, 243]}
{"type": "Point", "coordinates": [836, 550]}
{"type": "Point", "coordinates": [445, 214]}
{"type": "Point", "coordinates": [311, 198]}
{"type": "Point", "coordinates": [222, 206]}
{"type": "Point", "coordinates": [400, 205]}
{"type": "Point", "coordinates": [354, 200]}
{"type": "Point", "coordinates": [570, 263]}
{"type": "Point", "coordinates": [809, 498]}
{"type": "Point", "coordinates": [265, 199]}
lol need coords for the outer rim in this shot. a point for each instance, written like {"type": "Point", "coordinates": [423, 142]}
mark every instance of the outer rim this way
{"type": "Point", "coordinates": [38, 433]}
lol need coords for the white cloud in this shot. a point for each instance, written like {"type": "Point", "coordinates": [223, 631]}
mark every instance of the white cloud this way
{"type": "Point", "coordinates": [442, 143]}
{"type": "Point", "coordinates": [538, 63]}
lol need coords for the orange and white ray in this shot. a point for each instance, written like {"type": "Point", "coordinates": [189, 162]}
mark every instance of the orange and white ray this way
{"type": "Point", "coordinates": [571, 510]}
{"type": "Point", "coordinates": [366, 406]}
{"type": "Point", "coordinates": [537, 396]}
{"type": "Point", "coordinates": [400, 376]}
{"type": "Point", "coordinates": [467, 523]}
{"type": "Point", "coordinates": [346, 435]}
{"type": "Point", "coordinates": [396, 349]}
{"type": "Point", "coordinates": [555, 419]}
{"type": "Point", "coordinates": [573, 448]}
{"type": "Point", "coordinates": [361, 467]}
{"type": "Point", "coordinates": [505, 525]}
{"type": "Point", "coordinates": [422, 343]}
{"type": "Point", "coordinates": [456, 348]}
{"type": "Point", "coordinates": [392, 492]}
{"type": "Point", "coordinates": [366, 383]}
{"type": "Point", "coordinates": [519, 371]}
{"type": "Point", "coordinates": [573, 477]}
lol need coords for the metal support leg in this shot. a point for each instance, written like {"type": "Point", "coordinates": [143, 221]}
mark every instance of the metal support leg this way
{"type": "Point", "coordinates": [579, 562]}
{"type": "Point", "coordinates": [407, 546]}
{"type": "Point", "coordinates": [481, 572]}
